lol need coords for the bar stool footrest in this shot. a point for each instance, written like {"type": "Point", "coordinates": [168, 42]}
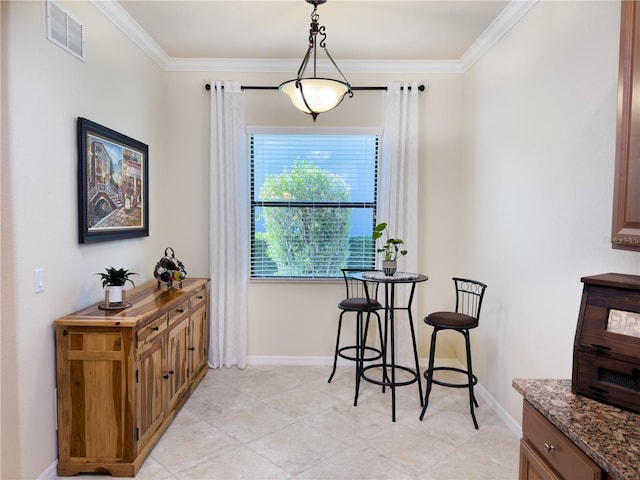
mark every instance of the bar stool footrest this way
{"type": "Point", "coordinates": [474, 379]}
{"type": "Point", "coordinates": [376, 353]}
{"type": "Point", "coordinates": [386, 381]}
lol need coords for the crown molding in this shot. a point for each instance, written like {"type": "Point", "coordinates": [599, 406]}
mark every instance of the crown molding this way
{"type": "Point", "coordinates": [511, 14]}
{"type": "Point", "coordinates": [119, 17]}
{"type": "Point", "coordinates": [291, 65]}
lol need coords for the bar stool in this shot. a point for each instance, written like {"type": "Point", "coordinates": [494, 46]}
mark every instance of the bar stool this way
{"type": "Point", "coordinates": [362, 301]}
{"type": "Point", "coordinates": [469, 295]}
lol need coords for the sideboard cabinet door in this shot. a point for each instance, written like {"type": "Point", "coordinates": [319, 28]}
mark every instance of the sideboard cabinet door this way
{"type": "Point", "coordinates": [199, 340]}
{"type": "Point", "coordinates": [151, 400]}
{"type": "Point", "coordinates": [92, 371]}
{"type": "Point", "coordinates": [177, 365]}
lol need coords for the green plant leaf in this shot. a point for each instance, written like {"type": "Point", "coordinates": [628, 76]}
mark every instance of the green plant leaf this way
{"type": "Point", "coordinates": [116, 276]}
{"type": "Point", "coordinates": [389, 249]}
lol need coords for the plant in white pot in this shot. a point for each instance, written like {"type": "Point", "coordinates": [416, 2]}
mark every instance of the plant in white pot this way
{"type": "Point", "coordinates": [114, 280]}
{"type": "Point", "coordinates": [390, 249]}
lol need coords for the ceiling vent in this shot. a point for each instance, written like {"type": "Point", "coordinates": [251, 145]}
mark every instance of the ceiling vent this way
{"type": "Point", "coordinates": [64, 30]}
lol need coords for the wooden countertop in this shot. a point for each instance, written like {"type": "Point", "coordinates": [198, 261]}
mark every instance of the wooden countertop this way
{"type": "Point", "coordinates": [608, 434]}
{"type": "Point", "coordinates": [147, 301]}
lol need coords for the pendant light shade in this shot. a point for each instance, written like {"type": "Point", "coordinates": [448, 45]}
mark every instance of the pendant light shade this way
{"type": "Point", "coordinates": [317, 95]}
{"type": "Point", "coordinates": [314, 95]}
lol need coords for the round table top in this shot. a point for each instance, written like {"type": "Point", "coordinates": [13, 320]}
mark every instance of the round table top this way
{"type": "Point", "coordinates": [398, 277]}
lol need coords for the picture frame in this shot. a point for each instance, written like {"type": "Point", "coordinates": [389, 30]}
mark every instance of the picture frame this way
{"type": "Point", "coordinates": [113, 184]}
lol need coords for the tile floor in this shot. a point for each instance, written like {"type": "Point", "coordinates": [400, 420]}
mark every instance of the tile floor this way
{"type": "Point", "coordinates": [288, 423]}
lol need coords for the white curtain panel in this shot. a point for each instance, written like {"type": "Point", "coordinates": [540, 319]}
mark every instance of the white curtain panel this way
{"type": "Point", "coordinates": [398, 199]}
{"type": "Point", "coordinates": [228, 228]}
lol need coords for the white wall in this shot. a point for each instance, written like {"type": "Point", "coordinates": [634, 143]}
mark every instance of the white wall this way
{"type": "Point", "coordinates": [540, 111]}
{"type": "Point", "coordinates": [516, 179]}
{"type": "Point", "coordinates": [44, 89]}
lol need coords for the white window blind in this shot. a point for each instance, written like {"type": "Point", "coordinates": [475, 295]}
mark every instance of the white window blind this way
{"type": "Point", "coordinates": [313, 203]}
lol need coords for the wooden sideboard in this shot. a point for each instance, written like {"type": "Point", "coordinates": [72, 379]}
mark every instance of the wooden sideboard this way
{"type": "Point", "coordinates": [123, 375]}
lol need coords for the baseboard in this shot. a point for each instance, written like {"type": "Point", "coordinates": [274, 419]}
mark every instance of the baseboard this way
{"type": "Point", "coordinates": [499, 410]}
{"type": "Point", "coordinates": [51, 473]}
{"type": "Point", "coordinates": [294, 361]}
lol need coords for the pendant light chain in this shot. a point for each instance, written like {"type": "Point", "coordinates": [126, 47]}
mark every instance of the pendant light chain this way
{"type": "Point", "coordinates": [314, 95]}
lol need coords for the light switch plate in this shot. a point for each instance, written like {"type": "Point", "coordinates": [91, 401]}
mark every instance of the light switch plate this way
{"type": "Point", "coordinates": [38, 280]}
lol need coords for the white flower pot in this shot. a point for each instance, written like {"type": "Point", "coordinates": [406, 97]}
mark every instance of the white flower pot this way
{"type": "Point", "coordinates": [115, 293]}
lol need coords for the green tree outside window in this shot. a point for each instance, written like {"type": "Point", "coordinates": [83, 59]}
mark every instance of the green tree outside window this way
{"type": "Point", "coordinates": [303, 240]}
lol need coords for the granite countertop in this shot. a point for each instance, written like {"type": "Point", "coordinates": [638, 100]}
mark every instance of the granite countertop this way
{"type": "Point", "coordinates": [607, 434]}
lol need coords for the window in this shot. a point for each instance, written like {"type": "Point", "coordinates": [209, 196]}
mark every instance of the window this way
{"type": "Point", "coordinates": [313, 202]}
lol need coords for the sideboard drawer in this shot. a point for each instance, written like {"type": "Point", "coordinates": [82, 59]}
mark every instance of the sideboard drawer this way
{"type": "Point", "coordinates": [555, 448]}
{"type": "Point", "coordinates": [147, 333]}
{"type": "Point", "coordinates": [178, 312]}
{"type": "Point", "coordinates": [197, 299]}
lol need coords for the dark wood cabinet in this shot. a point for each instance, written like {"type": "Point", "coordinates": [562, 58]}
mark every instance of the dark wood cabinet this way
{"type": "Point", "coordinates": [606, 351]}
{"type": "Point", "coordinates": [533, 466]}
{"type": "Point", "coordinates": [547, 454]}
{"type": "Point", "coordinates": [626, 202]}
{"type": "Point", "coordinates": [569, 436]}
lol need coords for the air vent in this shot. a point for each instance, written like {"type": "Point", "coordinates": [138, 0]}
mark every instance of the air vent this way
{"type": "Point", "coordinates": [64, 30]}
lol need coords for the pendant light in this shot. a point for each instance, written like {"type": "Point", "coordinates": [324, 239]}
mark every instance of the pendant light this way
{"type": "Point", "coordinates": [315, 95]}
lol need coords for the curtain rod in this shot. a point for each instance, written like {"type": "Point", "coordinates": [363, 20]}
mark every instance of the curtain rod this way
{"type": "Point", "coordinates": [263, 87]}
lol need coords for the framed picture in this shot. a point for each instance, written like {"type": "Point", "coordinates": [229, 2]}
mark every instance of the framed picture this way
{"type": "Point", "coordinates": [113, 184]}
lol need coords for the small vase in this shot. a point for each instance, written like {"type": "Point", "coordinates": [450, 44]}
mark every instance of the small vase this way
{"type": "Point", "coordinates": [389, 267]}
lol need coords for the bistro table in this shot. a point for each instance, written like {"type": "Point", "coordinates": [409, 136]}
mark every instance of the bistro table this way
{"type": "Point", "coordinates": [390, 308]}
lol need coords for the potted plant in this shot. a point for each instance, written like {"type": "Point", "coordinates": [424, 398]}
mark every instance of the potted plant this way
{"type": "Point", "coordinates": [114, 280]}
{"type": "Point", "coordinates": [390, 249]}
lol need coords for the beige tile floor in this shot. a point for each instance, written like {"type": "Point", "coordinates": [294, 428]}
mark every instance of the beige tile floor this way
{"type": "Point", "coordinates": [287, 422]}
